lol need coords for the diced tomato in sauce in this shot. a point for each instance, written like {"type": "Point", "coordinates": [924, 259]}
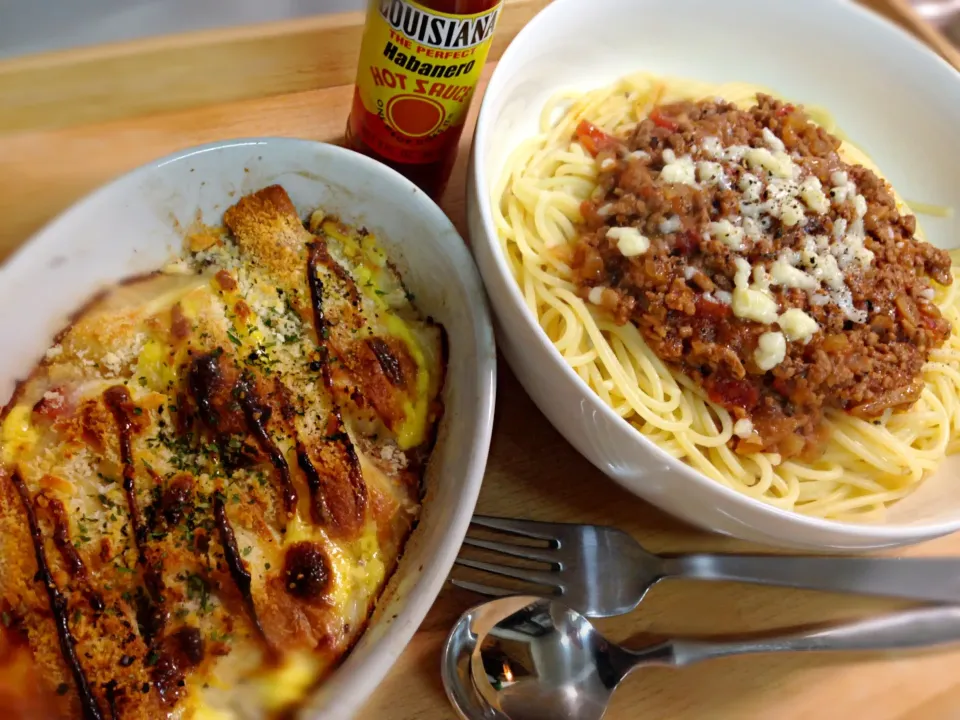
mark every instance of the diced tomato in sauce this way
{"type": "Point", "coordinates": [594, 139]}
{"type": "Point", "coordinates": [588, 210]}
{"type": "Point", "coordinates": [686, 242]}
{"type": "Point", "coordinates": [785, 110]}
{"type": "Point", "coordinates": [661, 120]}
{"type": "Point", "coordinates": [934, 321]}
{"type": "Point", "coordinates": [731, 392]}
{"type": "Point", "coordinates": [712, 309]}
{"type": "Point", "coordinates": [53, 404]}
{"type": "Point", "coordinates": [784, 387]}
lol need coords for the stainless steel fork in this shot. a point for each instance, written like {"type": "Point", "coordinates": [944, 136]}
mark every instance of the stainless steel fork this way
{"type": "Point", "coordinates": [602, 571]}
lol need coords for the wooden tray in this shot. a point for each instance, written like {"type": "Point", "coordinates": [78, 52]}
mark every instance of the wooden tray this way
{"type": "Point", "coordinates": [72, 120]}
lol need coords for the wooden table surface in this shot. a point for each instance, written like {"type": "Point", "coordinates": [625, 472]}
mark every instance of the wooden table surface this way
{"type": "Point", "coordinates": [532, 472]}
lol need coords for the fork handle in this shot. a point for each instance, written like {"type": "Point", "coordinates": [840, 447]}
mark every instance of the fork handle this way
{"type": "Point", "coordinates": [927, 579]}
{"type": "Point", "coordinates": [911, 629]}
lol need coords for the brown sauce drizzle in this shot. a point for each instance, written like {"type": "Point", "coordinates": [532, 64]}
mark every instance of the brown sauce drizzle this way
{"type": "Point", "coordinates": [182, 414]}
{"type": "Point", "coordinates": [388, 361]}
{"type": "Point", "coordinates": [319, 512]}
{"type": "Point", "coordinates": [58, 606]}
{"type": "Point", "coordinates": [176, 498]}
{"type": "Point", "coordinates": [71, 558]}
{"type": "Point", "coordinates": [203, 378]}
{"type": "Point", "coordinates": [336, 429]}
{"type": "Point", "coordinates": [180, 652]}
{"type": "Point", "coordinates": [256, 416]}
{"type": "Point", "coordinates": [316, 256]}
{"type": "Point", "coordinates": [238, 569]}
{"type": "Point", "coordinates": [110, 691]}
{"type": "Point", "coordinates": [117, 398]}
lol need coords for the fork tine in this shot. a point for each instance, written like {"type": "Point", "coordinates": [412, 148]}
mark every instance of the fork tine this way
{"type": "Point", "coordinates": [524, 528]}
{"type": "Point", "coordinates": [481, 589]}
{"type": "Point", "coordinates": [549, 579]}
{"type": "Point", "coordinates": [518, 551]}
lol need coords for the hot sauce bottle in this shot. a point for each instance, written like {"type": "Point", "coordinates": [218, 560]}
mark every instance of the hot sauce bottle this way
{"type": "Point", "coordinates": [419, 67]}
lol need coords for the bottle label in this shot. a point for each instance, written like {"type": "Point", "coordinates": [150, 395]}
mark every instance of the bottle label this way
{"type": "Point", "coordinates": [418, 72]}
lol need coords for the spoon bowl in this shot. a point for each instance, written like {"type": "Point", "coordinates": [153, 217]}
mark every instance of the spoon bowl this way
{"type": "Point", "coordinates": [530, 658]}
{"type": "Point", "coordinates": [455, 668]}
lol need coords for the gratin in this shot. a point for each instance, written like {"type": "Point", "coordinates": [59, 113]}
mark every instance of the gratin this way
{"type": "Point", "coordinates": [208, 479]}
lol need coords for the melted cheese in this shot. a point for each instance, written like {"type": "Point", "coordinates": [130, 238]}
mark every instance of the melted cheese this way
{"type": "Point", "coordinates": [154, 368]}
{"type": "Point", "coordinates": [18, 434]}
{"type": "Point", "coordinates": [281, 687]}
{"type": "Point", "coordinates": [205, 712]}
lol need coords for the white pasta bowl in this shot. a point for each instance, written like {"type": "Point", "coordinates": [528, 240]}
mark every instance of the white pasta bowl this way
{"type": "Point", "coordinates": [895, 98]}
{"type": "Point", "coordinates": [135, 224]}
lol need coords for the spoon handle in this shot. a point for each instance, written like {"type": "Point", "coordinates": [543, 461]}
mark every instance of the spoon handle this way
{"type": "Point", "coordinates": [926, 579]}
{"type": "Point", "coordinates": [925, 627]}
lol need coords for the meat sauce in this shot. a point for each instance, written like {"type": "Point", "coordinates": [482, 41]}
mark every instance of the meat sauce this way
{"type": "Point", "coordinates": [698, 183]}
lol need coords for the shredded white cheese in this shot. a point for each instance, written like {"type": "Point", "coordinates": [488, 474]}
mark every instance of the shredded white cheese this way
{"type": "Point", "coordinates": [860, 205]}
{"type": "Point", "coordinates": [786, 275]}
{"type": "Point", "coordinates": [798, 325]}
{"type": "Point", "coordinates": [678, 170]}
{"type": "Point", "coordinates": [629, 241]}
{"type": "Point", "coordinates": [709, 173]}
{"type": "Point", "coordinates": [712, 147]}
{"type": "Point", "coordinates": [772, 141]}
{"type": "Point", "coordinates": [727, 233]}
{"type": "Point", "coordinates": [743, 428]}
{"type": "Point", "coordinates": [771, 350]}
{"type": "Point", "coordinates": [670, 225]}
{"type": "Point", "coordinates": [778, 164]}
{"type": "Point", "coordinates": [754, 305]}
{"type": "Point", "coordinates": [791, 213]}
{"type": "Point", "coordinates": [812, 193]}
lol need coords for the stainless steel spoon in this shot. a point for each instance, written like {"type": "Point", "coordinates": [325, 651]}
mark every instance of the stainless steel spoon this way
{"type": "Point", "coordinates": [529, 658]}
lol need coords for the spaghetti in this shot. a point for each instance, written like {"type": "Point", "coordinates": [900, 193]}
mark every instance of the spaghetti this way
{"type": "Point", "coordinates": [865, 464]}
